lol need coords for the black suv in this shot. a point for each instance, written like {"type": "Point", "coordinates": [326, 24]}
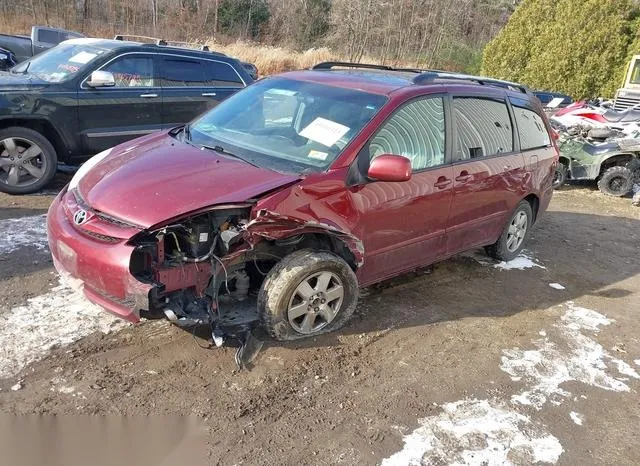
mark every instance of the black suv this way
{"type": "Point", "coordinates": [87, 95]}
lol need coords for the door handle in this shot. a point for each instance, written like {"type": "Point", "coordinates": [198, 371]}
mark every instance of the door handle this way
{"type": "Point", "coordinates": [442, 182]}
{"type": "Point", "coordinates": [148, 96]}
{"type": "Point", "coordinates": [463, 177]}
{"type": "Point", "coordinates": [208, 94]}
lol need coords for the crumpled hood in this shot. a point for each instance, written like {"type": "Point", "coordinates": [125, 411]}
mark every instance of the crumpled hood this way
{"type": "Point", "coordinates": [19, 82]}
{"type": "Point", "coordinates": [156, 178]}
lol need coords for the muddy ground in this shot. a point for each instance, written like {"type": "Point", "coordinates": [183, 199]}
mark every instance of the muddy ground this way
{"type": "Point", "coordinates": [494, 352]}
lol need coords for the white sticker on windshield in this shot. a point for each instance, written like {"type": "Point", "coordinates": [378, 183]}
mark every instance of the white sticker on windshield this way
{"type": "Point", "coordinates": [316, 154]}
{"type": "Point", "coordinates": [326, 132]}
{"type": "Point", "coordinates": [286, 92]}
{"type": "Point", "coordinates": [82, 57]}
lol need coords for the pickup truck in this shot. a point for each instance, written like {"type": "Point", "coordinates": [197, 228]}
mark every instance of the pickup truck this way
{"type": "Point", "coordinates": [41, 39]}
{"type": "Point", "coordinates": [87, 95]}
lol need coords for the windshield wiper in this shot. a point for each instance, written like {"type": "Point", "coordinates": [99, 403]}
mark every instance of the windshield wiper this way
{"type": "Point", "coordinates": [225, 152]}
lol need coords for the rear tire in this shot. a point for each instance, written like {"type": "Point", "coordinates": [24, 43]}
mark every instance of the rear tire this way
{"type": "Point", "coordinates": [514, 235]}
{"type": "Point", "coordinates": [28, 161]}
{"type": "Point", "coordinates": [560, 176]}
{"type": "Point", "coordinates": [307, 293]}
{"type": "Point", "coordinates": [634, 166]}
{"type": "Point", "coordinates": [616, 181]}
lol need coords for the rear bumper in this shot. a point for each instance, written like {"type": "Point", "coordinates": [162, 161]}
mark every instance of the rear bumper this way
{"type": "Point", "coordinates": [101, 268]}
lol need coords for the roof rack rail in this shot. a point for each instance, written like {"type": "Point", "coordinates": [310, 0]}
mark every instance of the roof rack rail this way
{"type": "Point", "coordinates": [187, 45]}
{"type": "Point", "coordinates": [429, 76]}
{"type": "Point", "coordinates": [327, 65]}
{"type": "Point", "coordinates": [132, 37]}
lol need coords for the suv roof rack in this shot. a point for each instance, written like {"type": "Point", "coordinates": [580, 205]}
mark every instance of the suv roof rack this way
{"type": "Point", "coordinates": [187, 45]}
{"type": "Point", "coordinates": [167, 43]}
{"type": "Point", "coordinates": [427, 76]}
{"type": "Point", "coordinates": [327, 65]}
{"type": "Point", "coordinates": [133, 37]}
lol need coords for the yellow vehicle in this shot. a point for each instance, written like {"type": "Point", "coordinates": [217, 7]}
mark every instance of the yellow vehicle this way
{"type": "Point", "coordinates": [629, 94]}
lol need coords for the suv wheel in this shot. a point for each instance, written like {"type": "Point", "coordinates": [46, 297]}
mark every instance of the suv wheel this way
{"type": "Point", "coordinates": [307, 293]}
{"type": "Point", "coordinates": [616, 181]}
{"type": "Point", "coordinates": [28, 161]}
{"type": "Point", "coordinates": [514, 235]}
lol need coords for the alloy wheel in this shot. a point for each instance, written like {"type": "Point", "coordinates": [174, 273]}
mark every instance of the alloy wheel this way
{"type": "Point", "coordinates": [22, 162]}
{"type": "Point", "coordinates": [517, 231]}
{"type": "Point", "coordinates": [315, 302]}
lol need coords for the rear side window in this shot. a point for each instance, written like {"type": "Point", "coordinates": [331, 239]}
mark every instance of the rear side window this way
{"type": "Point", "coordinates": [177, 72]}
{"type": "Point", "coordinates": [48, 36]}
{"type": "Point", "coordinates": [222, 74]}
{"type": "Point", "coordinates": [531, 129]}
{"type": "Point", "coordinates": [483, 128]}
{"type": "Point", "coordinates": [180, 73]}
{"type": "Point", "coordinates": [416, 132]}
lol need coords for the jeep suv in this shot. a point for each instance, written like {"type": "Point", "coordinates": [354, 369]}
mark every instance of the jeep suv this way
{"type": "Point", "coordinates": [275, 206]}
{"type": "Point", "coordinates": [87, 95]}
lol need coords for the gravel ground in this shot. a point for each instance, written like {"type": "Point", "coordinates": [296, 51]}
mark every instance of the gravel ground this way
{"type": "Point", "coordinates": [472, 362]}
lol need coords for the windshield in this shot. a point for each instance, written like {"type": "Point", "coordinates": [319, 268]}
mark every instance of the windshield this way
{"type": "Point", "coordinates": [59, 63]}
{"type": "Point", "coordinates": [287, 125]}
{"type": "Point", "coordinates": [634, 78]}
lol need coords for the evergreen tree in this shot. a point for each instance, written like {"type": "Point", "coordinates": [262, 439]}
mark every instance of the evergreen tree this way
{"type": "Point", "coordinates": [575, 46]}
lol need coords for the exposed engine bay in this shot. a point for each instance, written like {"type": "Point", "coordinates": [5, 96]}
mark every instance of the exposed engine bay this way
{"type": "Point", "coordinates": [204, 273]}
{"type": "Point", "coordinates": [208, 269]}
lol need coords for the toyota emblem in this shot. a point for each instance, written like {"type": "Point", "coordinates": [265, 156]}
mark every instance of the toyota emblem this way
{"type": "Point", "coordinates": [80, 217]}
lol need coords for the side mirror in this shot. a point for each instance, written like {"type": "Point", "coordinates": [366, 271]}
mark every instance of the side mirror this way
{"type": "Point", "coordinates": [389, 167]}
{"type": "Point", "coordinates": [101, 79]}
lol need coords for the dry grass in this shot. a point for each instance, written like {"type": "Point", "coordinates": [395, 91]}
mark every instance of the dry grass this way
{"type": "Point", "coordinates": [271, 60]}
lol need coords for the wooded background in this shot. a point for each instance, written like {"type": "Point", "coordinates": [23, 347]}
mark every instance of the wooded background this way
{"type": "Point", "coordinates": [429, 33]}
{"type": "Point", "coordinates": [580, 47]}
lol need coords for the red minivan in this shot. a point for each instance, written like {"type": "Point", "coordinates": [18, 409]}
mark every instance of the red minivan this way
{"type": "Point", "coordinates": [277, 205]}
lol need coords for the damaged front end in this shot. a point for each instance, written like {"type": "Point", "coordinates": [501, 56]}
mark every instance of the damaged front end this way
{"type": "Point", "coordinates": [208, 268]}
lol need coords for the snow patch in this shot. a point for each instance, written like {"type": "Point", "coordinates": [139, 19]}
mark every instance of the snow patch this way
{"type": "Point", "coordinates": [637, 362]}
{"type": "Point", "coordinates": [575, 357]}
{"type": "Point", "coordinates": [477, 432]}
{"type": "Point", "coordinates": [57, 318]}
{"type": "Point", "coordinates": [576, 417]}
{"type": "Point", "coordinates": [557, 286]}
{"type": "Point", "coordinates": [24, 231]}
{"type": "Point", "coordinates": [524, 261]}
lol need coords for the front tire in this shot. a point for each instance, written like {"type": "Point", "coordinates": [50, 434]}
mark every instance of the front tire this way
{"type": "Point", "coordinates": [28, 161]}
{"type": "Point", "coordinates": [514, 235]}
{"type": "Point", "coordinates": [306, 294]}
{"type": "Point", "coordinates": [616, 181]}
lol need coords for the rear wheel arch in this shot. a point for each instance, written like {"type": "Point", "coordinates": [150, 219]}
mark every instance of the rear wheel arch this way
{"type": "Point", "coordinates": [534, 202]}
{"type": "Point", "coordinates": [616, 160]}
